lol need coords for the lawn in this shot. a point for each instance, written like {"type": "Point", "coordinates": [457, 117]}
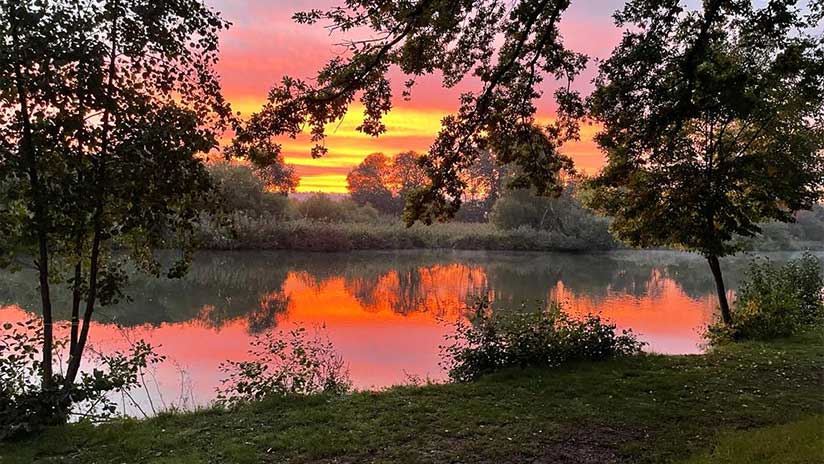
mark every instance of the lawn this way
{"type": "Point", "coordinates": [647, 409]}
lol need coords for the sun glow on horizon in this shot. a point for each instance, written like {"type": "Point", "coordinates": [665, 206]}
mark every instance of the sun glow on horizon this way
{"type": "Point", "coordinates": [264, 44]}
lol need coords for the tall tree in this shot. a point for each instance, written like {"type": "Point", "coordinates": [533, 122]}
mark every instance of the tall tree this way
{"type": "Point", "coordinates": [509, 46]}
{"type": "Point", "coordinates": [367, 183]}
{"type": "Point", "coordinates": [385, 182]}
{"type": "Point", "coordinates": [107, 107]}
{"type": "Point", "coordinates": [713, 121]}
{"type": "Point", "coordinates": [406, 175]}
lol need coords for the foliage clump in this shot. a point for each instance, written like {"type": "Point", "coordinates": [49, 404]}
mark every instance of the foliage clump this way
{"type": "Point", "coordinates": [26, 407]}
{"type": "Point", "coordinates": [775, 301]}
{"type": "Point", "coordinates": [493, 341]}
{"type": "Point", "coordinates": [295, 363]}
{"type": "Point", "coordinates": [242, 188]}
{"type": "Point", "coordinates": [563, 215]}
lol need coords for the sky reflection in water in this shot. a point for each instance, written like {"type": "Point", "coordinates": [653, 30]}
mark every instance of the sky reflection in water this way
{"type": "Point", "coordinates": [386, 312]}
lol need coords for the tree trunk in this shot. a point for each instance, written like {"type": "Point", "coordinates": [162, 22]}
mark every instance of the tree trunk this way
{"type": "Point", "coordinates": [76, 297]}
{"type": "Point", "coordinates": [77, 356]}
{"type": "Point", "coordinates": [38, 197]}
{"type": "Point", "coordinates": [715, 266]}
{"type": "Point", "coordinates": [94, 261]}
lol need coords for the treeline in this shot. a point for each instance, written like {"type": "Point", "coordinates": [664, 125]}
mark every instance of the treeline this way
{"type": "Point", "coordinates": [258, 214]}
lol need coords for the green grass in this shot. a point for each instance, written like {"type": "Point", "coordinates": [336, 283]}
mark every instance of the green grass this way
{"type": "Point", "coordinates": [640, 410]}
{"type": "Point", "coordinates": [799, 442]}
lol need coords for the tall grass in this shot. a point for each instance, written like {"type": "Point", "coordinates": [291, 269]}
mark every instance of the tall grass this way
{"type": "Point", "coordinates": [271, 233]}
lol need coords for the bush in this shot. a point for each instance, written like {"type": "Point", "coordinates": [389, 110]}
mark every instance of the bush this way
{"type": "Point", "coordinates": [491, 341]}
{"type": "Point", "coordinates": [563, 215]}
{"type": "Point", "coordinates": [320, 207]}
{"type": "Point", "coordinates": [774, 301]}
{"type": "Point", "coordinates": [26, 407]}
{"type": "Point", "coordinates": [241, 189]}
{"type": "Point", "coordinates": [284, 364]}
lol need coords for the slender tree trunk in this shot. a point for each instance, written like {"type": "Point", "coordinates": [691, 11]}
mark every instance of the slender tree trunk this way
{"type": "Point", "coordinates": [39, 210]}
{"type": "Point", "coordinates": [100, 182]}
{"type": "Point", "coordinates": [715, 266]}
{"type": "Point", "coordinates": [76, 297]}
{"type": "Point", "coordinates": [77, 356]}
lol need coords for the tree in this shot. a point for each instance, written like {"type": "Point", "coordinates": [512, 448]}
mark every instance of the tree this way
{"type": "Point", "coordinates": [242, 187]}
{"type": "Point", "coordinates": [510, 47]}
{"type": "Point", "coordinates": [713, 121]}
{"type": "Point", "coordinates": [107, 109]}
{"type": "Point", "coordinates": [484, 182]}
{"type": "Point", "coordinates": [367, 183]}
{"type": "Point", "coordinates": [277, 175]}
{"type": "Point", "coordinates": [406, 175]}
{"type": "Point", "coordinates": [385, 182]}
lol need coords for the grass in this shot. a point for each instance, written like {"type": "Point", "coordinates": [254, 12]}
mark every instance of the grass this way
{"type": "Point", "coordinates": [799, 442]}
{"type": "Point", "coordinates": [645, 409]}
{"type": "Point", "coordinates": [267, 233]}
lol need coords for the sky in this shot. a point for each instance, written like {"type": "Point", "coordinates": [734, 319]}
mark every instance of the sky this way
{"type": "Point", "coordinates": [264, 44]}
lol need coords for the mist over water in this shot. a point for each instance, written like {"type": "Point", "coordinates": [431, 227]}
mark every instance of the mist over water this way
{"type": "Point", "coordinates": [386, 312]}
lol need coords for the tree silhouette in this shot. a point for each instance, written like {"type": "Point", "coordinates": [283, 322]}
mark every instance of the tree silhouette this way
{"type": "Point", "coordinates": [713, 121]}
{"type": "Point", "coordinates": [510, 47]}
{"type": "Point", "coordinates": [106, 110]}
{"type": "Point", "coordinates": [385, 182]}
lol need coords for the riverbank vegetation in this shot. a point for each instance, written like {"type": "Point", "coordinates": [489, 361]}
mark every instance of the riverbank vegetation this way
{"type": "Point", "coordinates": [710, 119]}
{"type": "Point", "coordinates": [256, 218]}
{"type": "Point", "coordinates": [641, 409]}
{"type": "Point", "coordinates": [774, 301]}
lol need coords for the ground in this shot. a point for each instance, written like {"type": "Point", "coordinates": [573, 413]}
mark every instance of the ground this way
{"type": "Point", "coordinates": [649, 409]}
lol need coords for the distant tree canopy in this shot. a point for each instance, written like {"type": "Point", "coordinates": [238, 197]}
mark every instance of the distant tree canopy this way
{"type": "Point", "coordinates": [510, 47]}
{"type": "Point", "coordinates": [106, 110]}
{"type": "Point", "coordinates": [242, 187]}
{"type": "Point", "coordinates": [713, 121]}
{"type": "Point", "coordinates": [278, 176]}
{"type": "Point", "coordinates": [384, 182]}
{"type": "Point", "coordinates": [564, 215]}
{"type": "Point", "coordinates": [320, 207]}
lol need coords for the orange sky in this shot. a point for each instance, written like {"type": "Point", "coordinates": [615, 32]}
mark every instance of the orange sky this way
{"type": "Point", "coordinates": [264, 44]}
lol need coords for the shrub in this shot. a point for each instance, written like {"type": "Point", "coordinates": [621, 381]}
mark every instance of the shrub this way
{"type": "Point", "coordinates": [774, 301]}
{"type": "Point", "coordinates": [320, 207]}
{"type": "Point", "coordinates": [563, 215]}
{"type": "Point", "coordinates": [241, 189]}
{"type": "Point", "coordinates": [25, 407]}
{"type": "Point", "coordinates": [284, 364]}
{"type": "Point", "coordinates": [494, 341]}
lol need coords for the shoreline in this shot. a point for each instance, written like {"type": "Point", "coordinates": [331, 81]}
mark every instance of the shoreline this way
{"type": "Point", "coordinates": [644, 409]}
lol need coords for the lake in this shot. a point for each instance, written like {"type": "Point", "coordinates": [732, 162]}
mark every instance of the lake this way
{"type": "Point", "coordinates": [385, 312]}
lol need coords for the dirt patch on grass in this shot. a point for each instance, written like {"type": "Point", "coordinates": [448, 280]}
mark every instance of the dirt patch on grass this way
{"type": "Point", "coordinates": [589, 444]}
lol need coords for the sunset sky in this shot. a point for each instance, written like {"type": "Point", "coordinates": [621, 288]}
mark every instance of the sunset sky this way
{"type": "Point", "coordinates": [264, 44]}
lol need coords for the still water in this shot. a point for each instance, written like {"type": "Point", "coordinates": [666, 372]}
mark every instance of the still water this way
{"type": "Point", "coordinates": [385, 312]}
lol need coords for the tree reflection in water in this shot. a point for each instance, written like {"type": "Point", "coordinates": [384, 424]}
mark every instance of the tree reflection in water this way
{"type": "Point", "coordinates": [383, 309]}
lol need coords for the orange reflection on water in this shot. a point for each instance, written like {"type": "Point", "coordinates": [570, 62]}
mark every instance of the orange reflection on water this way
{"type": "Point", "coordinates": [665, 317]}
{"type": "Point", "coordinates": [390, 324]}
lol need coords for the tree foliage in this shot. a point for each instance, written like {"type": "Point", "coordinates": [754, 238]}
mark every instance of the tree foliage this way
{"type": "Point", "coordinates": [562, 215]}
{"type": "Point", "coordinates": [713, 121]}
{"type": "Point", "coordinates": [385, 182]}
{"type": "Point", "coordinates": [510, 47]}
{"type": "Point", "coordinates": [107, 108]}
{"type": "Point", "coordinates": [243, 188]}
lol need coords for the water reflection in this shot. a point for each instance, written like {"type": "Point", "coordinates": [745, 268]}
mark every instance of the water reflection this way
{"type": "Point", "coordinates": [383, 310]}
